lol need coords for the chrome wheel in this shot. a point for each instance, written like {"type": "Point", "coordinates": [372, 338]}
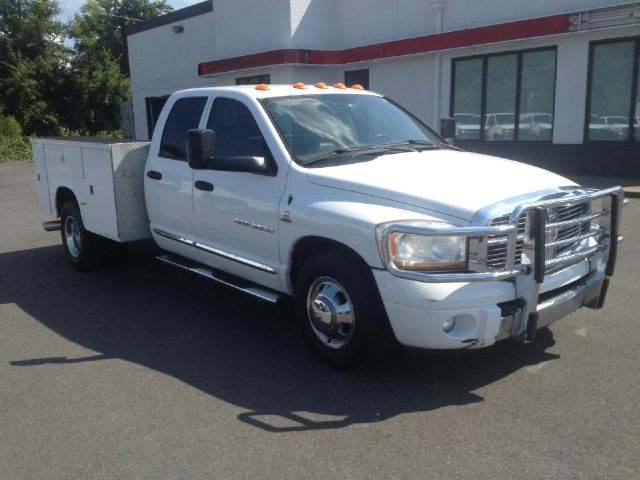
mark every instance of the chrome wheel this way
{"type": "Point", "coordinates": [72, 236]}
{"type": "Point", "coordinates": [330, 312]}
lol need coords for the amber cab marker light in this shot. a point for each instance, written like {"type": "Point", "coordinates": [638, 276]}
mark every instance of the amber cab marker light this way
{"type": "Point", "coordinates": [357, 86]}
{"type": "Point", "coordinates": [341, 86]}
{"type": "Point", "coordinates": [299, 85]}
{"type": "Point", "coordinates": [262, 87]}
{"type": "Point", "coordinates": [320, 85]}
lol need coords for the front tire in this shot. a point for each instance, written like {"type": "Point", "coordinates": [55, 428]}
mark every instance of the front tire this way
{"type": "Point", "coordinates": [342, 313]}
{"type": "Point", "coordinates": [80, 245]}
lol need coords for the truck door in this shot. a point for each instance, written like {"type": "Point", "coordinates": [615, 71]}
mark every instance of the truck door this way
{"type": "Point", "coordinates": [236, 213]}
{"type": "Point", "coordinates": [168, 181]}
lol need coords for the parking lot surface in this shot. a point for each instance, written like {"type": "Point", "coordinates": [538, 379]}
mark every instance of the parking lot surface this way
{"type": "Point", "coordinates": [141, 371]}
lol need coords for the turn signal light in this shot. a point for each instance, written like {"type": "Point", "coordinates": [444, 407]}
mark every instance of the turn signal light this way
{"type": "Point", "coordinates": [299, 85]}
{"type": "Point", "coordinates": [339, 85]}
{"type": "Point", "coordinates": [321, 85]}
{"type": "Point", "coordinates": [262, 86]}
{"type": "Point", "coordinates": [357, 86]}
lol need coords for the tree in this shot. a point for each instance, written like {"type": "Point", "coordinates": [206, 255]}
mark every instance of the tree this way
{"type": "Point", "coordinates": [101, 25]}
{"type": "Point", "coordinates": [33, 62]}
{"type": "Point", "coordinates": [99, 65]}
{"type": "Point", "coordinates": [52, 89]}
{"type": "Point", "coordinates": [98, 86]}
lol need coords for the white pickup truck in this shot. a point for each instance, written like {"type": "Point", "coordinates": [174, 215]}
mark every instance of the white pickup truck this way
{"type": "Point", "coordinates": [377, 226]}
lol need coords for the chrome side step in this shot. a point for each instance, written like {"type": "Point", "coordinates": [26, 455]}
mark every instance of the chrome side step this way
{"type": "Point", "coordinates": [262, 293]}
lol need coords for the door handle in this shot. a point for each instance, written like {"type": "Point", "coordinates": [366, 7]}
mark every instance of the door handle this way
{"type": "Point", "coordinates": [153, 175]}
{"type": "Point", "coordinates": [206, 186]}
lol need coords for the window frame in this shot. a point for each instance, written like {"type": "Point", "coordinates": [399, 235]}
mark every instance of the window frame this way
{"type": "Point", "coordinates": [635, 93]}
{"type": "Point", "coordinates": [483, 93]}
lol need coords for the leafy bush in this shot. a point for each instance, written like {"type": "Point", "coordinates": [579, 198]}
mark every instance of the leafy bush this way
{"type": "Point", "coordinates": [14, 148]}
{"type": "Point", "coordinates": [9, 127]}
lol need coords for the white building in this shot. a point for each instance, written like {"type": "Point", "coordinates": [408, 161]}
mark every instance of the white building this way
{"type": "Point", "coordinates": [551, 82]}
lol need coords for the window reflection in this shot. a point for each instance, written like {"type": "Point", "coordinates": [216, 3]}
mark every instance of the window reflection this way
{"type": "Point", "coordinates": [503, 117]}
{"type": "Point", "coordinates": [636, 120]}
{"type": "Point", "coordinates": [502, 74]}
{"type": "Point", "coordinates": [313, 125]}
{"type": "Point", "coordinates": [537, 95]}
{"type": "Point", "coordinates": [610, 94]}
{"type": "Point", "coordinates": [467, 100]}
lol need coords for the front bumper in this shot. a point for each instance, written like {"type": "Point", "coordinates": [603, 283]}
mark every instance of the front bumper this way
{"type": "Point", "coordinates": [473, 310]}
{"type": "Point", "coordinates": [482, 313]}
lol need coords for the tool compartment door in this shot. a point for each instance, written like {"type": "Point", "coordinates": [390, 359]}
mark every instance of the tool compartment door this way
{"type": "Point", "coordinates": [44, 200]}
{"type": "Point", "coordinates": [97, 202]}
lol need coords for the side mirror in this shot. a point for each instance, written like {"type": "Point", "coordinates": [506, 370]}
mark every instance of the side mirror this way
{"type": "Point", "coordinates": [239, 164]}
{"type": "Point", "coordinates": [448, 129]}
{"type": "Point", "coordinates": [201, 147]}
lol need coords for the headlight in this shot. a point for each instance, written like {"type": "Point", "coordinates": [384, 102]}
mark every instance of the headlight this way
{"type": "Point", "coordinates": [408, 251]}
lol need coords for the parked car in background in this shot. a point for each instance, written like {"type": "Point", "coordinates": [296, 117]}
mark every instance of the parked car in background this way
{"type": "Point", "coordinates": [467, 126]}
{"type": "Point", "coordinates": [499, 126]}
{"type": "Point", "coordinates": [608, 127]}
{"type": "Point", "coordinates": [535, 126]}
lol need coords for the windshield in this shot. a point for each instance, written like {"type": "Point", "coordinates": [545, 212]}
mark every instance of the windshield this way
{"type": "Point", "coordinates": [316, 125]}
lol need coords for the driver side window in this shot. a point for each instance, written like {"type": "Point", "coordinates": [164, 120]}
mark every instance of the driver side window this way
{"type": "Point", "coordinates": [237, 133]}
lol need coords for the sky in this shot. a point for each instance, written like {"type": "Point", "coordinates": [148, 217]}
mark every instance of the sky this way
{"type": "Point", "coordinates": [69, 7]}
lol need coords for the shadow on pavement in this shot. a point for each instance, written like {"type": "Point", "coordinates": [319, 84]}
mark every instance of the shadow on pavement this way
{"type": "Point", "coordinates": [234, 348]}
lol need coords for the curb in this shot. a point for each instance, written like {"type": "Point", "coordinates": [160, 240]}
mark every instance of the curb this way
{"type": "Point", "coordinates": [631, 192]}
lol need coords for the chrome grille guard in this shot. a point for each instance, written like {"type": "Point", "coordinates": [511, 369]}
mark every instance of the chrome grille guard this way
{"type": "Point", "coordinates": [539, 247]}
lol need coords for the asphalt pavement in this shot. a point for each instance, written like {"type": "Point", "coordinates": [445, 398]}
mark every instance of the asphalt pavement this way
{"type": "Point", "coordinates": [140, 371]}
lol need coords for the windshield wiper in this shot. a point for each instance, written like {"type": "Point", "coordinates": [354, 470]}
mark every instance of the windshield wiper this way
{"type": "Point", "coordinates": [340, 151]}
{"type": "Point", "coordinates": [425, 143]}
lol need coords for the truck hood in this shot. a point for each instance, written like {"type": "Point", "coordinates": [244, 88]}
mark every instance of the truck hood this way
{"type": "Point", "coordinates": [441, 181]}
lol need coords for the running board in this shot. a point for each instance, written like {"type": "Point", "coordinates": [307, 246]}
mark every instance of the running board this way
{"type": "Point", "coordinates": [262, 293]}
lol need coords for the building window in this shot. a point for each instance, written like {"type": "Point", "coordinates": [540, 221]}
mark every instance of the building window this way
{"type": "Point", "coordinates": [613, 102]}
{"type": "Point", "coordinates": [154, 107]}
{"type": "Point", "coordinates": [504, 97]}
{"type": "Point", "coordinates": [360, 77]}
{"type": "Point", "coordinates": [254, 80]}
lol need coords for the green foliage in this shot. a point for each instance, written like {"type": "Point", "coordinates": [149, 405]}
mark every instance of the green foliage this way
{"type": "Point", "coordinates": [50, 88]}
{"type": "Point", "coordinates": [9, 127]}
{"type": "Point", "coordinates": [32, 64]}
{"type": "Point", "coordinates": [101, 26]}
{"type": "Point", "coordinates": [99, 87]}
{"type": "Point", "coordinates": [14, 148]}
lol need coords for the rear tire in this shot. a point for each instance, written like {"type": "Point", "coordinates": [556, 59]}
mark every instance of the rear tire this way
{"type": "Point", "coordinates": [81, 246]}
{"type": "Point", "coordinates": [342, 314]}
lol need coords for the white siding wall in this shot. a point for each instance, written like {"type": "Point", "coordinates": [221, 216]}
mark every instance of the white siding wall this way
{"type": "Point", "coordinates": [162, 61]}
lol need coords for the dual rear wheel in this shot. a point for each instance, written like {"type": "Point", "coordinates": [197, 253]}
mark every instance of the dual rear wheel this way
{"type": "Point", "coordinates": [84, 249]}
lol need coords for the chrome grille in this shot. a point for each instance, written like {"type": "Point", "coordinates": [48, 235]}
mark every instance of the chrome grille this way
{"type": "Point", "coordinates": [570, 230]}
{"type": "Point", "coordinates": [497, 248]}
{"type": "Point", "coordinates": [563, 214]}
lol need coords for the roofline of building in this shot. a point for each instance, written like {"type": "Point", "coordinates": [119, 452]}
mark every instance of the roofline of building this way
{"type": "Point", "coordinates": [171, 17]}
{"type": "Point", "coordinates": [502, 32]}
